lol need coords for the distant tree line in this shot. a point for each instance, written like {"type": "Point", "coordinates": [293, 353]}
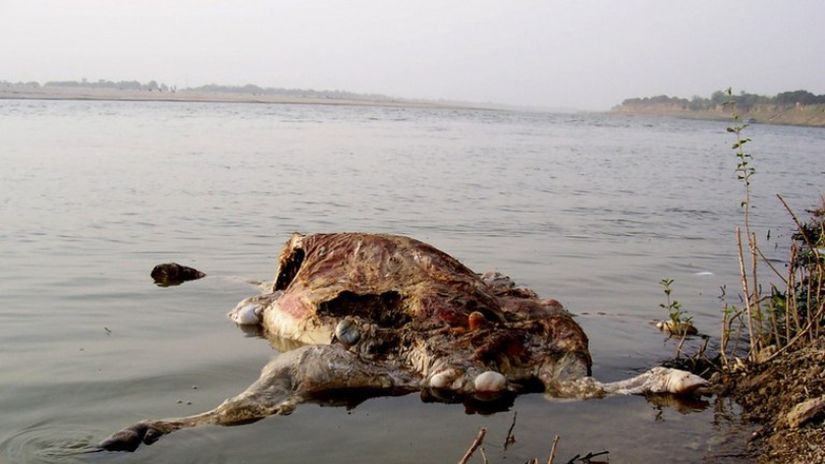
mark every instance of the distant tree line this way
{"type": "Point", "coordinates": [253, 89]}
{"type": "Point", "coordinates": [33, 84]}
{"type": "Point", "coordinates": [250, 89]}
{"type": "Point", "coordinates": [744, 101]}
{"type": "Point", "coordinates": [150, 86]}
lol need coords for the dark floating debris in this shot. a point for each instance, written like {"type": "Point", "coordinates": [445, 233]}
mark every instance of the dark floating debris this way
{"type": "Point", "coordinates": [169, 274]}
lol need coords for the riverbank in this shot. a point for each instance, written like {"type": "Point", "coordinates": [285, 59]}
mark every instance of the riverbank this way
{"type": "Point", "coordinates": [801, 115]}
{"type": "Point", "coordinates": [786, 398]}
{"type": "Point", "coordinates": [784, 392]}
{"type": "Point", "coordinates": [27, 92]}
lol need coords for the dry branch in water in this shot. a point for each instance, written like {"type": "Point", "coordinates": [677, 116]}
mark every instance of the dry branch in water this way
{"type": "Point", "coordinates": [510, 437]}
{"type": "Point", "coordinates": [553, 450]}
{"type": "Point", "coordinates": [476, 443]}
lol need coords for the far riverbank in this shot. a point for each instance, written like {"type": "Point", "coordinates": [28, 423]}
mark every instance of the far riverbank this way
{"type": "Point", "coordinates": [26, 92]}
{"type": "Point", "coordinates": [800, 115]}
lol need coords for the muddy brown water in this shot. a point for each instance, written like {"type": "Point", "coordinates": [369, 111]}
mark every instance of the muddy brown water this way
{"type": "Point", "coordinates": [589, 209]}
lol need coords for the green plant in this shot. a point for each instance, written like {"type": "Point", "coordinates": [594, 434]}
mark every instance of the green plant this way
{"type": "Point", "coordinates": [751, 315]}
{"type": "Point", "coordinates": [673, 307]}
{"type": "Point", "coordinates": [801, 307]}
{"type": "Point", "coordinates": [780, 320]}
{"type": "Point", "coordinates": [744, 170]}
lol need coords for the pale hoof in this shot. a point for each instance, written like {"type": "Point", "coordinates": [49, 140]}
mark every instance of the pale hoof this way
{"type": "Point", "coordinates": [490, 382]}
{"type": "Point", "coordinates": [443, 379]}
{"type": "Point", "coordinates": [246, 314]}
{"type": "Point", "coordinates": [676, 381]}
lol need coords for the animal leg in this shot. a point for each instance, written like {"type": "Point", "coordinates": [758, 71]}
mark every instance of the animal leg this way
{"type": "Point", "coordinates": [270, 394]}
{"type": "Point", "coordinates": [289, 379]}
{"type": "Point", "coordinates": [567, 379]}
{"type": "Point", "coordinates": [657, 380]}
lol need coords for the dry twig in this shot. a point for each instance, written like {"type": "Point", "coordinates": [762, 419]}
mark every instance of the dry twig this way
{"type": "Point", "coordinates": [476, 444]}
{"type": "Point", "coordinates": [510, 437]}
{"type": "Point", "coordinates": [746, 290]}
{"type": "Point", "coordinates": [553, 450]}
{"type": "Point", "coordinates": [587, 457]}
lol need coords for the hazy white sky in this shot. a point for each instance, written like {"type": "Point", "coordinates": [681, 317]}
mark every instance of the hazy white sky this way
{"type": "Point", "coordinates": [578, 54]}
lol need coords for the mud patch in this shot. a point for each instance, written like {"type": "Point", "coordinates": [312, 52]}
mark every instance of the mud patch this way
{"type": "Point", "coordinates": [769, 392]}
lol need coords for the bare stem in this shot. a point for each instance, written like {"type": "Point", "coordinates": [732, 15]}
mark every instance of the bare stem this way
{"type": "Point", "coordinates": [553, 450]}
{"type": "Point", "coordinates": [773, 268]}
{"type": "Point", "coordinates": [746, 291]}
{"type": "Point", "coordinates": [510, 439]}
{"type": "Point", "coordinates": [756, 289]}
{"type": "Point", "coordinates": [800, 228]}
{"type": "Point", "coordinates": [476, 443]}
{"type": "Point", "coordinates": [724, 336]}
{"type": "Point", "coordinates": [791, 296]}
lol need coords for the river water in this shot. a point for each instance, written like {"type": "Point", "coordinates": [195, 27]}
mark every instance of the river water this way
{"type": "Point", "coordinates": [593, 210]}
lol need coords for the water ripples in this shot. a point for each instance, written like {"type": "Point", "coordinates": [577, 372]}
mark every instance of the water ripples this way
{"type": "Point", "coordinates": [49, 442]}
{"type": "Point", "coordinates": [591, 209]}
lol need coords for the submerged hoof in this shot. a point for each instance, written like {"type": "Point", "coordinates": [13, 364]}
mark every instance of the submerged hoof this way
{"type": "Point", "coordinates": [128, 439]}
{"type": "Point", "coordinates": [152, 435]}
{"type": "Point", "coordinates": [169, 274]}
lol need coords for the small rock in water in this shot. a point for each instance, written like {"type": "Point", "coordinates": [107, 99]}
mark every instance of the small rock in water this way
{"type": "Point", "coordinates": [169, 274]}
{"type": "Point", "coordinates": [677, 328]}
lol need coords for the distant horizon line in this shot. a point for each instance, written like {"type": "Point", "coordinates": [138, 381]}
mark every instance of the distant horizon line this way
{"type": "Point", "coordinates": [251, 89]}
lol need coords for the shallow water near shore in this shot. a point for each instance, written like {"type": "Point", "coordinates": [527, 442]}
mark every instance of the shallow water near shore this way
{"type": "Point", "coordinates": [592, 210]}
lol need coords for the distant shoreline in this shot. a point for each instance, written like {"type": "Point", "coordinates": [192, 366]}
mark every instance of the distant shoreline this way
{"type": "Point", "coordinates": [22, 92]}
{"type": "Point", "coordinates": [802, 115]}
